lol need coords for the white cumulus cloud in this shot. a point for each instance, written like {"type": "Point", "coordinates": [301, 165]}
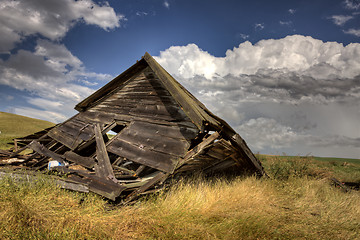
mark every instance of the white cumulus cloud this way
{"type": "Point", "coordinates": [53, 75]}
{"type": "Point", "coordinates": [300, 54]}
{"type": "Point", "coordinates": [55, 79]}
{"type": "Point", "coordinates": [279, 93]}
{"type": "Point", "coordinates": [50, 18]}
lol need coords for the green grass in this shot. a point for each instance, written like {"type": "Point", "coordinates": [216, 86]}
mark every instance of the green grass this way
{"type": "Point", "coordinates": [338, 160]}
{"type": "Point", "coordinates": [13, 126]}
{"type": "Point", "coordinates": [281, 167]}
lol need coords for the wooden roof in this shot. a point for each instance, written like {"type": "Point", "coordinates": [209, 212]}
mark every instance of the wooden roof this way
{"type": "Point", "coordinates": [193, 108]}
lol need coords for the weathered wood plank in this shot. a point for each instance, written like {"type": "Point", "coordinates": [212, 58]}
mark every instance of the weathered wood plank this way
{"type": "Point", "coordinates": [145, 99]}
{"type": "Point", "coordinates": [139, 170]}
{"type": "Point", "coordinates": [101, 186]}
{"type": "Point", "coordinates": [174, 111]}
{"type": "Point", "coordinates": [133, 102]}
{"type": "Point", "coordinates": [76, 158]}
{"type": "Point", "coordinates": [150, 137]}
{"type": "Point", "coordinates": [106, 117]}
{"type": "Point", "coordinates": [64, 138]}
{"type": "Point", "coordinates": [118, 115]}
{"type": "Point", "coordinates": [198, 148]}
{"type": "Point", "coordinates": [220, 166]}
{"type": "Point", "coordinates": [158, 117]}
{"type": "Point", "coordinates": [171, 131]}
{"type": "Point", "coordinates": [41, 149]}
{"type": "Point", "coordinates": [139, 154]}
{"type": "Point", "coordinates": [115, 110]}
{"type": "Point", "coordinates": [96, 116]}
{"type": "Point", "coordinates": [246, 152]}
{"type": "Point", "coordinates": [142, 88]}
{"type": "Point", "coordinates": [85, 132]}
{"type": "Point", "coordinates": [123, 169]}
{"type": "Point", "coordinates": [103, 168]}
{"type": "Point", "coordinates": [158, 178]}
{"type": "Point", "coordinates": [118, 161]}
{"type": "Point", "coordinates": [144, 93]}
{"type": "Point", "coordinates": [183, 97]}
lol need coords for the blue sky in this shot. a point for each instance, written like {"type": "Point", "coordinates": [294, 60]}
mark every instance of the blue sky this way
{"type": "Point", "coordinates": [284, 74]}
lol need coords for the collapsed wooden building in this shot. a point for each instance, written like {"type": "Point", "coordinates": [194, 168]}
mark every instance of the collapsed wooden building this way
{"type": "Point", "coordinates": [138, 131]}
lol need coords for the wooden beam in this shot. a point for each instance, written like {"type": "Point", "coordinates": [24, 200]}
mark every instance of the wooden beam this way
{"type": "Point", "coordinates": [15, 145]}
{"type": "Point", "coordinates": [99, 185]}
{"type": "Point", "coordinates": [41, 149]}
{"type": "Point", "coordinates": [103, 167]}
{"type": "Point", "coordinates": [248, 154]}
{"type": "Point", "coordinates": [198, 149]}
{"type": "Point", "coordinates": [160, 176]}
{"type": "Point", "coordinates": [139, 170]}
{"type": "Point", "coordinates": [87, 162]}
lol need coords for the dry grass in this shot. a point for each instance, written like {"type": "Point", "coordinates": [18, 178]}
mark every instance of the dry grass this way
{"type": "Point", "coordinates": [300, 207]}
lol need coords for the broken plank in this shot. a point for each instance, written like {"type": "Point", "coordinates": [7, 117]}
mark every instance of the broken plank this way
{"type": "Point", "coordinates": [106, 188]}
{"type": "Point", "coordinates": [248, 154]}
{"type": "Point", "coordinates": [165, 130]}
{"type": "Point", "coordinates": [84, 133]}
{"type": "Point", "coordinates": [142, 155]}
{"type": "Point", "coordinates": [118, 161]}
{"type": "Point", "coordinates": [123, 169]}
{"type": "Point", "coordinates": [161, 110]}
{"type": "Point", "coordinates": [160, 176]}
{"type": "Point", "coordinates": [103, 168]}
{"type": "Point", "coordinates": [149, 139]}
{"type": "Point", "coordinates": [139, 170]}
{"type": "Point", "coordinates": [105, 117]}
{"type": "Point", "coordinates": [98, 185]}
{"type": "Point", "coordinates": [198, 148]}
{"type": "Point", "coordinates": [87, 162]}
{"type": "Point", "coordinates": [221, 165]}
{"type": "Point", "coordinates": [41, 149]}
{"type": "Point", "coordinates": [64, 138]}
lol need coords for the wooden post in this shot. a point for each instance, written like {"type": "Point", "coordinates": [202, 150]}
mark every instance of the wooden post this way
{"type": "Point", "coordinates": [15, 145]}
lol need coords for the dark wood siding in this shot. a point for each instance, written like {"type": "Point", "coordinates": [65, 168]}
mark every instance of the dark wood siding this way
{"type": "Point", "coordinates": [149, 139]}
{"type": "Point", "coordinates": [158, 133]}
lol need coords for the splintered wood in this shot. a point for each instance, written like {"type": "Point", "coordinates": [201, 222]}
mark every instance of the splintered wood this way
{"type": "Point", "coordinates": [134, 135]}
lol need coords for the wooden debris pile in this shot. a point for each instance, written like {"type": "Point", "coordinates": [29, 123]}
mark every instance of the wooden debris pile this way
{"type": "Point", "coordinates": [138, 131]}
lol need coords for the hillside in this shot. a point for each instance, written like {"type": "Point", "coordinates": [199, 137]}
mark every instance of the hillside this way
{"type": "Point", "coordinates": [12, 125]}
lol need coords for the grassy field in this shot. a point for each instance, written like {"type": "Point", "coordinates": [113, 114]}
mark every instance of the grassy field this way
{"type": "Point", "coordinates": [12, 126]}
{"type": "Point", "coordinates": [297, 201]}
